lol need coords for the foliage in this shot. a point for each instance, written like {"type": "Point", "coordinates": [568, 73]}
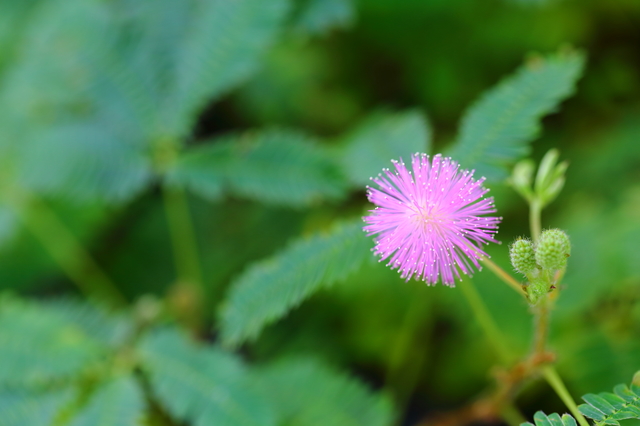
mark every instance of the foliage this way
{"type": "Point", "coordinates": [496, 130]}
{"type": "Point", "coordinates": [272, 166]}
{"type": "Point", "coordinates": [268, 118]}
{"type": "Point", "coordinates": [193, 382]}
{"type": "Point", "coordinates": [333, 399]}
{"type": "Point", "coordinates": [605, 408]}
{"type": "Point", "coordinates": [270, 288]}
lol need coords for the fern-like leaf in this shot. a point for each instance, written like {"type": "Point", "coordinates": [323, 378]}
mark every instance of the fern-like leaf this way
{"type": "Point", "coordinates": [222, 46]}
{"type": "Point", "coordinates": [276, 166]}
{"type": "Point", "coordinates": [205, 386]}
{"type": "Point", "coordinates": [605, 408]}
{"type": "Point", "coordinates": [118, 401]}
{"type": "Point", "coordinates": [84, 162]}
{"type": "Point", "coordinates": [608, 408]}
{"type": "Point", "coordinates": [72, 136]}
{"type": "Point", "coordinates": [497, 129]}
{"type": "Point", "coordinates": [24, 408]}
{"type": "Point", "coordinates": [310, 393]}
{"type": "Point", "coordinates": [109, 328]}
{"type": "Point", "coordinates": [541, 419]}
{"type": "Point", "coordinates": [270, 288]}
{"type": "Point", "coordinates": [381, 138]}
{"type": "Point", "coordinates": [39, 347]}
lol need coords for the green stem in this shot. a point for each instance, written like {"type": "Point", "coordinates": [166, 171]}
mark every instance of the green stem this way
{"type": "Point", "coordinates": [552, 377]}
{"type": "Point", "coordinates": [68, 252]}
{"type": "Point", "coordinates": [535, 211]}
{"type": "Point", "coordinates": [541, 325]}
{"type": "Point", "coordinates": [504, 276]}
{"type": "Point", "coordinates": [185, 248]}
{"type": "Point", "coordinates": [485, 320]}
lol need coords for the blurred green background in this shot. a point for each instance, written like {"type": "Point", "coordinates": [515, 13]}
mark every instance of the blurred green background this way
{"type": "Point", "coordinates": [67, 130]}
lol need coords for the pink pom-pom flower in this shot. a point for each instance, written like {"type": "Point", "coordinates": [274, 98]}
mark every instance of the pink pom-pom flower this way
{"type": "Point", "coordinates": [429, 222]}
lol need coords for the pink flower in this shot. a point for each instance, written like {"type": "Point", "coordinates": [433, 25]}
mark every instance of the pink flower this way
{"type": "Point", "coordinates": [428, 223]}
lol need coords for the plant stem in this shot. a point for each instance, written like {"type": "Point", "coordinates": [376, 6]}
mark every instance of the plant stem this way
{"type": "Point", "coordinates": [541, 329]}
{"type": "Point", "coordinates": [551, 375]}
{"type": "Point", "coordinates": [185, 248]}
{"type": "Point", "coordinates": [504, 276]}
{"type": "Point", "coordinates": [535, 211]}
{"type": "Point", "coordinates": [67, 251]}
{"type": "Point", "coordinates": [485, 320]}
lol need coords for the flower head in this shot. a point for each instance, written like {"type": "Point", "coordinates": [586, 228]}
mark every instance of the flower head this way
{"type": "Point", "coordinates": [428, 222]}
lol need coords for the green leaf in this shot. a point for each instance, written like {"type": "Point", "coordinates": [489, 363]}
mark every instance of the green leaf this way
{"type": "Point", "coordinates": [110, 328]}
{"type": "Point", "coordinates": [625, 414]}
{"type": "Point", "coordinates": [379, 139]}
{"type": "Point", "coordinates": [591, 412]}
{"type": "Point", "coordinates": [39, 346]}
{"type": "Point", "coordinates": [497, 129]}
{"type": "Point", "coordinates": [271, 287]}
{"type": "Point", "coordinates": [541, 419]}
{"type": "Point", "coordinates": [23, 408]}
{"type": "Point", "coordinates": [312, 394]}
{"type": "Point", "coordinates": [316, 17]}
{"type": "Point", "coordinates": [612, 399]}
{"type": "Point", "coordinates": [274, 166]}
{"type": "Point", "coordinates": [624, 392]}
{"type": "Point", "coordinates": [70, 131]}
{"type": "Point", "coordinates": [202, 385]}
{"type": "Point", "coordinates": [599, 403]}
{"type": "Point", "coordinates": [223, 45]}
{"type": "Point", "coordinates": [84, 162]}
{"type": "Point", "coordinates": [568, 420]}
{"type": "Point", "coordinates": [118, 401]}
{"type": "Point", "coordinates": [555, 419]}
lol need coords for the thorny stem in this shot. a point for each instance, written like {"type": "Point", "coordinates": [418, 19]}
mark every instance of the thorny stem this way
{"type": "Point", "coordinates": [67, 251]}
{"type": "Point", "coordinates": [504, 276]}
{"type": "Point", "coordinates": [486, 321]}
{"type": "Point", "coordinates": [552, 377]}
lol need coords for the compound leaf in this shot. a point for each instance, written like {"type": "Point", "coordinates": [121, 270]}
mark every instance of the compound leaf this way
{"type": "Point", "coordinates": [39, 346]}
{"type": "Point", "coordinates": [118, 401]}
{"type": "Point", "coordinates": [22, 408]}
{"type": "Point", "coordinates": [274, 166]}
{"type": "Point", "coordinates": [205, 386]}
{"type": "Point", "coordinates": [270, 288]}
{"type": "Point", "coordinates": [497, 129]}
{"type": "Point", "coordinates": [310, 393]}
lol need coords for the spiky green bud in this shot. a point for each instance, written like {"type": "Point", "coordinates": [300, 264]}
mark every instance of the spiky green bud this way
{"type": "Point", "coordinates": [553, 249]}
{"type": "Point", "coordinates": [523, 256]}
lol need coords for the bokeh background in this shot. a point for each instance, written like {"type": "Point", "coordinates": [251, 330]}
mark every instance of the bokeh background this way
{"type": "Point", "coordinates": [329, 66]}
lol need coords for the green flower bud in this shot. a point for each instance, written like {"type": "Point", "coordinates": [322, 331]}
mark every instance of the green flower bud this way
{"type": "Point", "coordinates": [523, 256]}
{"type": "Point", "coordinates": [553, 249]}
